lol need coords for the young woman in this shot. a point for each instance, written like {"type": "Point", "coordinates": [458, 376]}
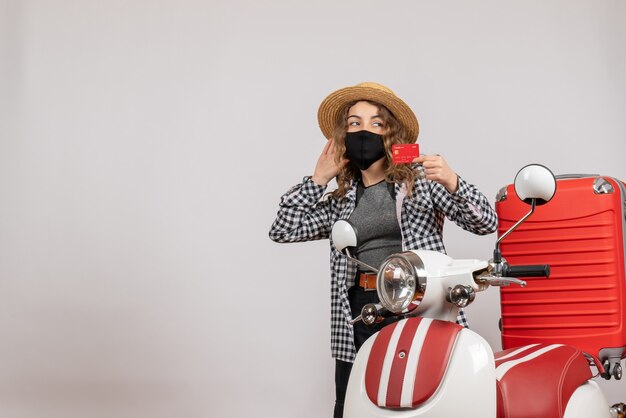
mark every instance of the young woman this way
{"type": "Point", "coordinates": [394, 207]}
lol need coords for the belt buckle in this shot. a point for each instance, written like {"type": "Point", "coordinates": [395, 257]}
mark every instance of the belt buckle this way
{"type": "Point", "coordinates": [366, 287]}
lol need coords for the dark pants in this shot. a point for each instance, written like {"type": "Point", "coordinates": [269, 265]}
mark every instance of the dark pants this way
{"type": "Point", "coordinates": [342, 373]}
{"type": "Point", "coordinates": [358, 298]}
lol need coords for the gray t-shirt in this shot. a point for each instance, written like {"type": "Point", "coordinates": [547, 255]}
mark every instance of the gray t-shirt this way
{"type": "Point", "coordinates": [376, 224]}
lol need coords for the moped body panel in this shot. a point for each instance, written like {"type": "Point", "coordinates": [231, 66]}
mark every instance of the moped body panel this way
{"type": "Point", "coordinates": [467, 387]}
{"type": "Point", "coordinates": [587, 401]}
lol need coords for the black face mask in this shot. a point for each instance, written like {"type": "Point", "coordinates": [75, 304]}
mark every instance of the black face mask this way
{"type": "Point", "coordinates": [364, 148]}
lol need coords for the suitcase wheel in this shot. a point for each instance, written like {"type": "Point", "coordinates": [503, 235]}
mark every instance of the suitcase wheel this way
{"type": "Point", "coordinates": [612, 370]}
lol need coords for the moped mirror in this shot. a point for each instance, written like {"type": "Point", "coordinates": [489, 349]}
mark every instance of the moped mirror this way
{"type": "Point", "coordinates": [535, 182]}
{"type": "Point", "coordinates": [535, 185]}
{"type": "Point", "coordinates": [344, 237]}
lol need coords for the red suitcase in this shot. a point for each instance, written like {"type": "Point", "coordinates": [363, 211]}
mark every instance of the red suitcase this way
{"type": "Point", "coordinates": [580, 233]}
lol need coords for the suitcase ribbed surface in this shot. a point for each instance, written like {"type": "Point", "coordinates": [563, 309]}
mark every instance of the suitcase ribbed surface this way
{"type": "Point", "coordinates": [580, 234]}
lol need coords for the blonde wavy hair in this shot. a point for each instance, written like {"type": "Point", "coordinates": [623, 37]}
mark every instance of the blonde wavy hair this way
{"type": "Point", "coordinates": [395, 134]}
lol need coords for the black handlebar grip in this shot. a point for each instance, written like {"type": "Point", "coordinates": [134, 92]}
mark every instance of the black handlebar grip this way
{"type": "Point", "coordinates": [542, 270]}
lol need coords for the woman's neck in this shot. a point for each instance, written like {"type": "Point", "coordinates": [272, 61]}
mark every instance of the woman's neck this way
{"type": "Point", "coordinates": [374, 174]}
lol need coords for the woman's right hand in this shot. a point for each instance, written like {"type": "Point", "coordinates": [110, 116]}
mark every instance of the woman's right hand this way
{"type": "Point", "coordinates": [326, 168]}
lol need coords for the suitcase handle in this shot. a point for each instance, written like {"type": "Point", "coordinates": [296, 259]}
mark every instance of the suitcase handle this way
{"type": "Point", "coordinates": [575, 176]}
{"type": "Point", "coordinates": [541, 270]}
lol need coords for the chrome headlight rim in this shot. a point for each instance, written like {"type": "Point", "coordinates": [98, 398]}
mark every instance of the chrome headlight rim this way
{"type": "Point", "coordinates": [413, 268]}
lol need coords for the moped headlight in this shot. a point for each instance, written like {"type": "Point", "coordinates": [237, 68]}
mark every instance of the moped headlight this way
{"type": "Point", "coordinates": [400, 281]}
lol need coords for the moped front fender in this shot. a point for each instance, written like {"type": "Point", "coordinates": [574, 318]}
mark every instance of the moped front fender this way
{"type": "Point", "coordinates": [468, 386]}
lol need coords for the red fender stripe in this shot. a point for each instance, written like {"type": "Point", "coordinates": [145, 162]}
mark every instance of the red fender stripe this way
{"type": "Point", "coordinates": [398, 368]}
{"type": "Point", "coordinates": [434, 359]}
{"type": "Point", "coordinates": [376, 360]}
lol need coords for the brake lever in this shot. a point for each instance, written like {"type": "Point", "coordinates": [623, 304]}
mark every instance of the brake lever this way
{"type": "Point", "coordinates": [501, 281]}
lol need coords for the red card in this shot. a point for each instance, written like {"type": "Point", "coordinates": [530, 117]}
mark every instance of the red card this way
{"type": "Point", "coordinates": [404, 153]}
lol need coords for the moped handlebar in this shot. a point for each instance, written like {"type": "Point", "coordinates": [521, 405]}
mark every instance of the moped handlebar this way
{"type": "Point", "coordinates": [541, 270]}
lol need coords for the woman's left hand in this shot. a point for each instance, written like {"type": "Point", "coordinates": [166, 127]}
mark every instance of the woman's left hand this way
{"type": "Point", "coordinates": [437, 169]}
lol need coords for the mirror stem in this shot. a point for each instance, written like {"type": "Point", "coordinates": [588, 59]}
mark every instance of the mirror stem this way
{"type": "Point", "coordinates": [497, 258]}
{"type": "Point", "coordinates": [360, 263]}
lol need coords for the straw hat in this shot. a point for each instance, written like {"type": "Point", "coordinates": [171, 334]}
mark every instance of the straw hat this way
{"type": "Point", "coordinates": [335, 102]}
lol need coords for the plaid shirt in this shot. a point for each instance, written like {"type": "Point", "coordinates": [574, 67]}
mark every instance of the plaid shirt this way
{"type": "Point", "coordinates": [304, 216]}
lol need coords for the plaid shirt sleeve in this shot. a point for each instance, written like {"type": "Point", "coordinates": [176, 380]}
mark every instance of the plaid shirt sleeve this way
{"type": "Point", "coordinates": [302, 216]}
{"type": "Point", "coordinates": [467, 207]}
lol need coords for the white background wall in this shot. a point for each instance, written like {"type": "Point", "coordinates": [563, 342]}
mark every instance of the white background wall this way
{"type": "Point", "coordinates": [144, 147]}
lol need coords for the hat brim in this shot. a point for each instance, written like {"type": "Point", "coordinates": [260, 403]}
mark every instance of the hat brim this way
{"type": "Point", "coordinates": [335, 102]}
